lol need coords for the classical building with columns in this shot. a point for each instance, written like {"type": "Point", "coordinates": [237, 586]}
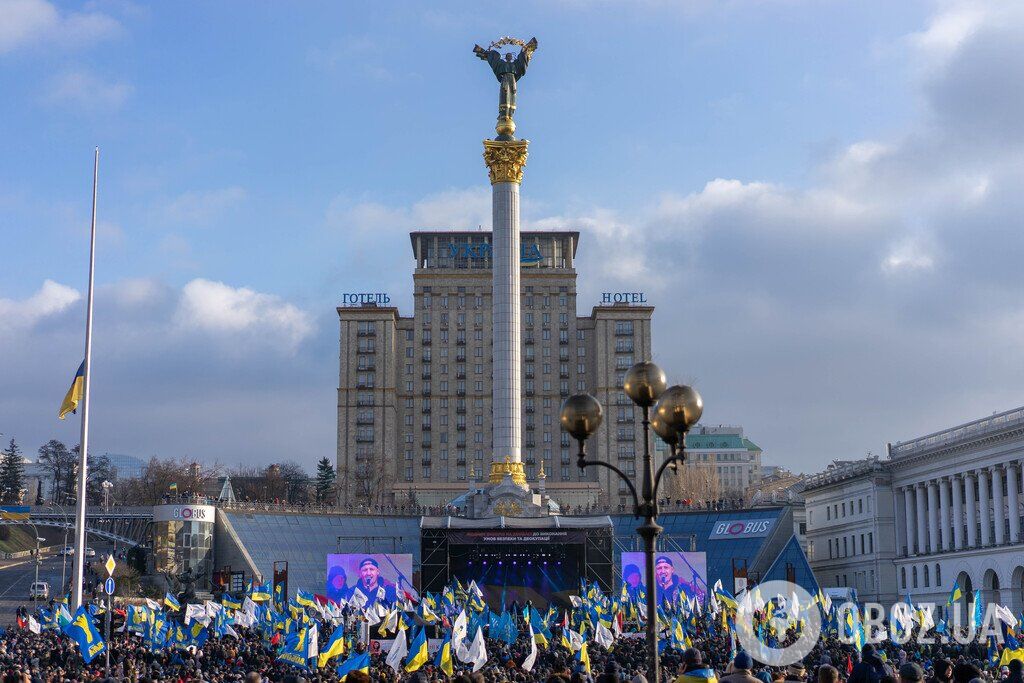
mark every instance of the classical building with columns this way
{"type": "Point", "coordinates": [955, 501]}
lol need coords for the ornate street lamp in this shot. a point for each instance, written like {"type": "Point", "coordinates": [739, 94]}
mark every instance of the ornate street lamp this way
{"type": "Point", "coordinates": [676, 409]}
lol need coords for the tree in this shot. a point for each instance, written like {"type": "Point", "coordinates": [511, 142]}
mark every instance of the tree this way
{"type": "Point", "coordinates": [325, 478]}
{"type": "Point", "coordinates": [296, 482]}
{"type": "Point", "coordinates": [59, 463]}
{"type": "Point", "coordinates": [98, 471]}
{"type": "Point", "coordinates": [158, 475]}
{"type": "Point", "coordinates": [12, 474]}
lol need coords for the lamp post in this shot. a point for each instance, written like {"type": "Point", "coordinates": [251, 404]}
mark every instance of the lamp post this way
{"type": "Point", "coordinates": [106, 494]}
{"type": "Point", "coordinates": [676, 409]}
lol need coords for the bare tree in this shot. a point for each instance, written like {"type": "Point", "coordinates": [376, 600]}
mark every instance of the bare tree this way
{"type": "Point", "coordinates": [694, 482]}
{"type": "Point", "coordinates": [367, 485]}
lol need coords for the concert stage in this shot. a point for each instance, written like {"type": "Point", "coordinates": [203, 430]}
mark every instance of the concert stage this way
{"type": "Point", "coordinates": [517, 559]}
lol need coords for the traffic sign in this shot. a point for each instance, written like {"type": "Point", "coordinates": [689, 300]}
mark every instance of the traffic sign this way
{"type": "Point", "coordinates": [110, 564]}
{"type": "Point", "coordinates": [108, 586]}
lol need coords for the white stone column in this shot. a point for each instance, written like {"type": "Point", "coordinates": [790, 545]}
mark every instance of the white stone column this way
{"type": "Point", "coordinates": [972, 511]}
{"type": "Point", "coordinates": [899, 526]}
{"type": "Point", "coordinates": [984, 498]}
{"type": "Point", "coordinates": [998, 508]}
{"type": "Point", "coordinates": [908, 517]}
{"type": "Point", "coordinates": [922, 520]}
{"type": "Point", "coordinates": [944, 526]}
{"type": "Point", "coordinates": [505, 163]}
{"type": "Point", "coordinates": [957, 482]}
{"type": "Point", "coordinates": [1012, 482]}
{"type": "Point", "coordinates": [933, 517]}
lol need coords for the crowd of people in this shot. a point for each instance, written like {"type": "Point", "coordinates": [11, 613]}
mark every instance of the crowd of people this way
{"type": "Point", "coordinates": [48, 657]}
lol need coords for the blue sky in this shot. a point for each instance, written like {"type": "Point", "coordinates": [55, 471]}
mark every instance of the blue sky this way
{"type": "Point", "coordinates": [821, 199]}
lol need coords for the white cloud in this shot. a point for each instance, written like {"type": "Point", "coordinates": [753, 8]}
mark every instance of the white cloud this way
{"type": "Point", "coordinates": [242, 313]}
{"type": "Point", "coordinates": [52, 298]}
{"type": "Point", "coordinates": [908, 254]}
{"type": "Point", "coordinates": [31, 23]}
{"type": "Point", "coordinates": [85, 90]}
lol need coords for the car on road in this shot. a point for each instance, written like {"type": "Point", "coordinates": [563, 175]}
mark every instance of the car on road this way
{"type": "Point", "coordinates": [40, 590]}
{"type": "Point", "coordinates": [67, 550]}
{"type": "Point", "coordinates": [89, 552]}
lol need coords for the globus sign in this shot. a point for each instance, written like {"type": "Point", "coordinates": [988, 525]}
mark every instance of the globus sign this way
{"type": "Point", "coordinates": [740, 528]}
{"type": "Point", "coordinates": [184, 513]}
{"type": "Point", "coordinates": [528, 253]}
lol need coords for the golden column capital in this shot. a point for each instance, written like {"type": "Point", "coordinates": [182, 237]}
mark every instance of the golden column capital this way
{"type": "Point", "coordinates": [499, 470]}
{"type": "Point", "coordinates": [506, 160]}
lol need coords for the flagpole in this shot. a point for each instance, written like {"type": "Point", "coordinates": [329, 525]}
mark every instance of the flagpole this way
{"type": "Point", "coordinates": [86, 380]}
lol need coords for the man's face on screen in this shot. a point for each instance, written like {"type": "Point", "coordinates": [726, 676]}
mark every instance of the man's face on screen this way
{"type": "Point", "coordinates": [369, 574]}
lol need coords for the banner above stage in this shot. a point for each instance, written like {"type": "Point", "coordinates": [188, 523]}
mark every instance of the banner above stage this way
{"type": "Point", "coordinates": [475, 536]}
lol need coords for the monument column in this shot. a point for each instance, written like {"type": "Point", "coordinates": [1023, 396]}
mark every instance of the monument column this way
{"type": "Point", "coordinates": [1013, 491]}
{"type": "Point", "coordinates": [505, 161]}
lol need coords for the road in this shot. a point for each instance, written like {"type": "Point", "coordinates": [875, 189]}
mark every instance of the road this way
{"type": "Point", "coordinates": [17, 575]}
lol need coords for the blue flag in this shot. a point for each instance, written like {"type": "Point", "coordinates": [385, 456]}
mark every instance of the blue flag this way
{"type": "Point", "coordinates": [83, 631]}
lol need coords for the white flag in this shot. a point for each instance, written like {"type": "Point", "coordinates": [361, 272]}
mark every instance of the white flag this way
{"type": "Point", "coordinates": [532, 657]}
{"type": "Point", "coordinates": [603, 636]}
{"type": "Point", "coordinates": [399, 649]}
{"type": "Point", "coordinates": [1005, 615]}
{"type": "Point", "coordinates": [196, 613]}
{"type": "Point", "coordinates": [478, 651]}
{"type": "Point", "coordinates": [359, 598]}
{"type": "Point", "coordinates": [249, 607]}
{"type": "Point", "coordinates": [312, 642]}
{"type": "Point", "coordinates": [153, 605]}
{"type": "Point", "coordinates": [212, 608]}
{"type": "Point", "coordinates": [33, 625]}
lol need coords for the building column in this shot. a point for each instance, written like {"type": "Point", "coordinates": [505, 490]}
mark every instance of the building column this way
{"type": "Point", "coordinates": [947, 540]}
{"type": "Point", "coordinates": [972, 511]}
{"type": "Point", "coordinates": [984, 497]}
{"type": "Point", "coordinates": [922, 520]}
{"type": "Point", "coordinates": [1012, 482]}
{"type": "Point", "coordinates": [899, 525]}
{"type": "Point", "coordinates": [957, 482]}
{"type": "Point", "coordinates": [998, 509]}
{"type": "Point", "coordinates": [908, 516]}
{"type": "Point", "coordinates": [933, 517]}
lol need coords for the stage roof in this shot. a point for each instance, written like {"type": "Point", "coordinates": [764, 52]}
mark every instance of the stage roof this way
{"type": "Point", "coordinates": [553, 522]}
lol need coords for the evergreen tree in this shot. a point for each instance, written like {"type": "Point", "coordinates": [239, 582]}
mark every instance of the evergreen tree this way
{"type": "Point", "coordinates": [12, 474]}
{"type": "Point", "coordinates": [325, 478]}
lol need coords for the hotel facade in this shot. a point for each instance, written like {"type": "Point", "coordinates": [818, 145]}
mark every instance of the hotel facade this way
{"type": "Point", "coordinates": [415, 392]}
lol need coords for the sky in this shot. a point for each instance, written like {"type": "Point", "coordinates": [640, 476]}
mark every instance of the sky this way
{"type": "Point", "coordinates": [822, 200]}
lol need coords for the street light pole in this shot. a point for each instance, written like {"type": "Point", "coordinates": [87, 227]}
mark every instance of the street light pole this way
{"type": "Point", "coordinates": [676, 409]}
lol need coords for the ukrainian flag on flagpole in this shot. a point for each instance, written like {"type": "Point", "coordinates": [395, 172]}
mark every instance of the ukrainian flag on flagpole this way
{"type": "Point", "coordinates": [171, 602]}
{"type": "Point", "coordinates": [335, 646]}
{"type": "Point", "coordinates": [955, 593]}
{"type": "Point", "coordinates": [74, 395]}
{"type": "Point", "coordinates": [417, 652]}
{"type": "Point", "coordinates": [443, 660]}
{"type": "Point", "coordinates": [356, 662]}
{"type": "Point", "coordinates": [83, 631]}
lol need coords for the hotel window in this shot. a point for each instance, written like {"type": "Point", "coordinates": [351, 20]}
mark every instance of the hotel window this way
{"type": "Point", "coordinates": [408, 352]}
{"type": "Point", "coordinates": [478, 386]}
{"type": "Point", "coordinates": [563, 300]}
{"type": "Point", "coordinates": [528, 319]}
{"type": "Point", "coordinates": [581, 385]}
{"type": "Point", "coordinates": [426, 301]}
{"type": "Point", "coordinates": [408, 420]}
{"type": "Point", "coordinates": [581, 351]}
{"type": "Point", "coordinates": [408, 473]}
{"type": "Point", "coordinates": [565, 473]}
{"type": "Point", "coordinates": [478, 420]}
{"type": "Point", "coordinates": [545, 335]}
{"type": "Point", "coordinates": [479, 301]}
{"type": "Point", "coordinates": [623, 327]}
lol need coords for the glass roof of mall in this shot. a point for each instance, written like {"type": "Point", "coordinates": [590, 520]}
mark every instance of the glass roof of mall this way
{"type": "Point", "coordinates": [726, 536]}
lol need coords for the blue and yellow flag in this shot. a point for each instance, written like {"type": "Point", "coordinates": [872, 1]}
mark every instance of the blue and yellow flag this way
{"type": "Point", "coordinates": [583, 657]}
{"type": "Point", "coordinates": [303, 598]}
{"type": "Point", "coordinates": [83, 631]}
{"type": "Point", "coordinates": [172, 603]}
{"type": "Point", "coordinates": [295, 649]}
{"type": "Point", "coordinates": [335, 646]}
{"type": "Point", "coordinates": [1011, 650]}
{"type": "Point", "coordinates": [261, 592]}
{"type": "Point", "coordinates": [417, 652]}
{"type": "Point", "coordinates": [230, 602]}
{"type": "Point", "coordinates": [357, 662]}
{"type": "Point", "coordinates": [74, 395]}
{"type": "Point", "coordinates": [955, 593]}
{"type": "Point", "coordinates": [443, 658]}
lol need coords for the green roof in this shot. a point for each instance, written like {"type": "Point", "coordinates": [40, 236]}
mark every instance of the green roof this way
{"type": "Point", "coordinates": [712, 442]}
